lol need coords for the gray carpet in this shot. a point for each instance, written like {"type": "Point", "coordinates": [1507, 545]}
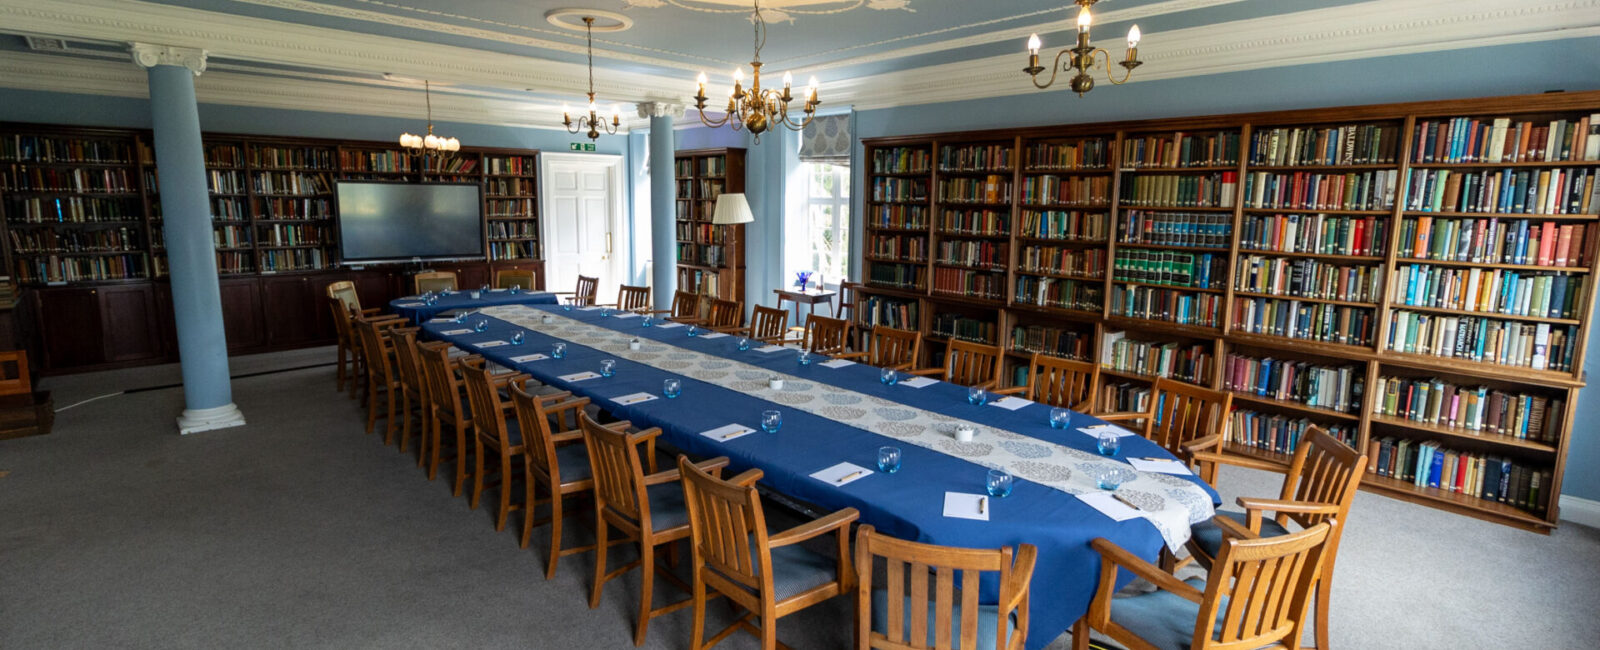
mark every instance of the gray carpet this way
{"type": "Point", "coordinates": [299, 530]}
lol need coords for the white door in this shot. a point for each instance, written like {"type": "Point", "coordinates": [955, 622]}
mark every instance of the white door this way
{"type": "Point", "coordinates": [582, 234]}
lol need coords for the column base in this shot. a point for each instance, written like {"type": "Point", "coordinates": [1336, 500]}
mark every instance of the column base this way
{"type": "Point", "coordinates": [221, 417]}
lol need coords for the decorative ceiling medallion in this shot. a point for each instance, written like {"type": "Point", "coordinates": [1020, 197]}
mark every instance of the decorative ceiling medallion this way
{"type": "Point", "coordinates": [778, 11]}
{"type": "Point", "coordinates": [604, 21]}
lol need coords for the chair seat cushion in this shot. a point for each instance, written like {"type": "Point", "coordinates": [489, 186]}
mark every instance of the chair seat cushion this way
{"type": "Point", "coordinates": [1208, 536]}
{"type": "Point", "coordinates": [1163, 619]}
{"type": "Point", "coordinates": [667, 507]}
{"type": "Point", "coordinates": [573, 460]}
{"type": "Point", "coordinates": [796, 569]}
{"type": "Point", "coordinates": [988, 617]}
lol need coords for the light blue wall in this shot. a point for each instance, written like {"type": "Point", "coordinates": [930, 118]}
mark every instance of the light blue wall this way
{"type": "Point", "coordinates": [705, 137]}
{"type": "Point", "coordinates": [1572, 64]}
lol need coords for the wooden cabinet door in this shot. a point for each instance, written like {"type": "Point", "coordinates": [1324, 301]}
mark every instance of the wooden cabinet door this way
{"type": "Point", "coordinates": [377, 288]}
{"type": "Point", "coordinates": [130, 329]}
{"type": "Point", "coordinates": [470, 276]}
{"type": "Point", "coordinates": [536, 266]}
{"type": "Point", "coordinates": [290, 309]}
{"type": "Point", "coordinates": [241, 314]}
{"type": "Point", "coordinates": [69, 324]}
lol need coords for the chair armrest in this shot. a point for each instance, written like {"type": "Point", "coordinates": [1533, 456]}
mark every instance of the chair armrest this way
{"type": "Point", "coordinates": [731, 329]}
{"type": "Point", "coordinates": [371, 310]}
{"type": "Point", "coordinates": [1115, 555]}
{"type": "Point", "coordinates": [1234, 529]}
{"type": "Point", "coordinates": [850, 355]}
{"type": "Point", "coordinates": [651, 312]}
{"type": "Point", "coordinates": [506, 378]}
{"type": "Point", "coordinates": [569, 436]}
{"type": "Point", "coordinates": [406, 330]}
{"type": "Point", "coordinates": [714, 466]}
{"type": "Point", "coordinates": [1014, 390]}
{"type": "Point", "coordinates": [1021, 571]}
{"type": "Point", "coordinates": [1123, 415]}
{"type": "Point", "coordinates": [556, 397]}
{"type": "Point", "coordinates": [1084, 406]}
{"type": "Point", "coordinates": [835, 521]}
{"type": "Point", "coordinates": [1254, 509]}
{"type": "Point", "coordinates": [1208, 443]}
{"type": "Point", "coordinates": [747, 478]}
{"type": "Point", "coordinates": [925, 372]}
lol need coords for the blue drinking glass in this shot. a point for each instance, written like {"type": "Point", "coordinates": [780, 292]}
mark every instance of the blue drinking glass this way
{"type": "Point", "coordinates": [999, 483]}
{"type": "Point", "coordinates": [482, 325]}
{"type": "Point", "coordinates": [671, 388]}
{"type": "Point", "coordinates": [771, 421]}
{"type": "Point", "coordinates": [888, 459]}
{"type": "Point", "coordinates": [517, 339]}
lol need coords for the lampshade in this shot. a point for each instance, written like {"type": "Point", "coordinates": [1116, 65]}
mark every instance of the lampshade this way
{"type": "Point", "coordinates": [732, 209]}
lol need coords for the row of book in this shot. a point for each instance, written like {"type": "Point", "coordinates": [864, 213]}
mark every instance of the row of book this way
{"type": "Point", "coordinates": [225, 182]}
{"type": "Point", "coordinates": [964, 328]}
{"type": "Point", "coordinates": [899, 276]}
{"type": "Point", "coordinates": [290, 157]}
{"type": "Point", "coordinates": [72, 209]}
{"type": "Point", "coordinates": [233, 263]}
{"type": "Point", "coordinates": [1278, 433]}
{"type": "Point", "coordinates": [45, 149]}
{"type": "Point", "coordinates": [1353, 144]}
{"type": "Point", "coordinates": [224, 155]}
{"type": "Point", "coordinates": [520, 209]}
{"type": "Point", "coordinates": [1087, 153]}
{"type": "Point", "coordinates": [975, 253]}
{"type": "Point", "coordinates": [1198, 230]}
{"type": "Point", "coordinates": [1174, 268]}
{"type": "Point", "coordinates": [1122, 396]}
{"type": "Point", "coordinates": [685, 189]}
{"type": "Point", "coordinates": [230, 237]}
{"type": "Point", "coordinates": [291, 184]}
{"type": "Point", "coordinates": [375, 161]}
{"type": "Point", "coordinates": [1170, 305]}
{"type": "Point", "coordinates": [702, 254]}
{"type": "Point", "coordinates": [901, 160]}
{"type": "Point", "coordinates": [54, 268]}
{"type": "Point", "coordinates": [974, 222]}
{"type": "Point", "coordinates": [510, 230]}
{"type": "Point", "coordinates": [1067, 190]}
{"type": "Point", "coordinates": [987, 189]}
{"type": "Point", "coordinates": [1180, 190]}
{"type": "Point", "coordinates": [1317, 234]}
{"type": "Point", "coordinates": [692, 231]}
{"type": "Point", "coordinates": [1497, 140]}
{"type": "Point", "coordinates": [907, 217]}
{"type": "Point", "coordinates": [1190, 363]}
{"type": "Point", "coordinates": [512, 165]}
{"type": "Point", "coordinates": [901, 248]}
{"type": "Point", "coordinates": [1371, 190]}
{"type": "Point", "coordinates": [710, 189]}
{"type": "Point", "coordinates": [971, 284]}
{"type": "Point", "coordinates": [1495, 241]}
{"type": "Point", "coordinates": [683, 168]}
{"type": "Point", "coordinates": [227, 208]}
{"type": "Point", "coordinates": [75, 241]}
{"type": "Point", "coordinates": [713, 166]}
{"type": "Point", "coordinates": [1308, 278]}
{"type": "Point", "coordinates": [888, 312]}
{"type": "Point", "coordinates": [460, 165]}
{"type": "Point", "coordinates": [1336, 388]}
{"type": "Point", "coordinates": [1310, 321]}
{"type": "Point", "coordinates": [23, 178]}
{"type": "Point", "coordinates": [1488, 477]}
{"type": "Point", "coordinates": [1220, 149]}
{"type": "Point", "coordinates": [298, 259]}
{"type": "Point", "coordinates": [1054, 341]}
{"type": "Point", "coordinates": [1495, 291]}
{"type": "Point", "coordinates": [707, 283]}
{"type": "Point", "coordinates": [899, 189]}
{"type": "Point", "coordinates": [1524, 416]}
{"type": "Point", "coordinates": [1561, 190]}
{"type": "Point", "coordinates": [510, 187]}
{"type": "Point", "coordinates": [1081, 262]}
{"type": "Point", "coordinates": [1078, 295]}
{"type": "Point", "coordinates": [1070, 225]}
{"type": "Point", "coordinates": [1485, 340]}
{"type": "Point", "coordinates": [513, 250]}
{"type": "Point", "coordinates": [292, 235]}
{"type": "Point", "coordinates": [976, 158]}
{"type": "Point", "coordinates": [279, 208]}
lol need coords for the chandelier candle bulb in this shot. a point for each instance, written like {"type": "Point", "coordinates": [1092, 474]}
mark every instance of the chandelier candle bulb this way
{"type": "Point", "coordinates": [1034, 44]}
{"type": "Point", "coordinates": [1084, 19]}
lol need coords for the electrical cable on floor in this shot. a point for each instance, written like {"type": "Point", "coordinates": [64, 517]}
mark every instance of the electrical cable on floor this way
{"type": "Point", "coordinates": [180, 385]}
{"type": "Point", "coordinates": [81, 403]}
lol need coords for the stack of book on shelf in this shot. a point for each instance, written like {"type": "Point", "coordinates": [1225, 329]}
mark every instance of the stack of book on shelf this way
{"type": "Point", "coordinates": [888, 312]}
{"type": "Point", "coordinates": [8, 293]}
{"type": "Point", "coordinates": [1054, 341]}
{"type": "Point", "coordinates": [1316, 234]}
{"type": "Point", "coordinates": [964, 328]}
{"type": "Point", "coordinates": [1363, 144]}
{"type": "Point", "coordinates": [1319, 386]}
{"type": "Point", "coordinates": [1558, 190]}
{"type": "Point", "coordinates": [1477, 409]}
{"type": "Point", "coordinates": [1495, 241]}
{"type": "Point", "coordinates": [1190, 363]}
{"type": "Point", "coordinates": [1278, 433]}
{"type": "Point", "coordinates": [1537, 346]}
{"type": "Point", "coordinates": [1485, 476]}
{"type": "Point", "coordinates": [1499, 140]}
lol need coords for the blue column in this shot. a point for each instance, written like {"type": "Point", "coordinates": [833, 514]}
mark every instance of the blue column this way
{"type": "Point", "coordinates": [186, 216]}
{"type": "Point", "coordinates": [663, 211]}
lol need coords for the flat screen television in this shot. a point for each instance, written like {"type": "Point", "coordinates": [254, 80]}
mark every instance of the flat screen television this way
{"type": "Point", "coordinates": [402, 222]}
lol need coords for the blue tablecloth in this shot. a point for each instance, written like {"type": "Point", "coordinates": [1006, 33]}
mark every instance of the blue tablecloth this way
{"type": "Point", "coordinates": [908, 504]}
{"type": "Point", "coordinates": [413, 308]}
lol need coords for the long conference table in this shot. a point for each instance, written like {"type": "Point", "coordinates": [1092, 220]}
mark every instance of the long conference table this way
{"type": "Point", "coordinates": [845, 413]}
{"type": "Point", "coordinates": [417, 310]}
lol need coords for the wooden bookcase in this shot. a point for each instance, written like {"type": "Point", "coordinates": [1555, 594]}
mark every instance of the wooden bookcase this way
{"type": "Point", "coordinates": [710, 258]}
{"type": "Point", "coordinates": [1259, 253]}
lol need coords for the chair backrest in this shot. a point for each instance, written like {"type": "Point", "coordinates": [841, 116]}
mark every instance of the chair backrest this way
{"type": "Point", "coordinates": [725, 313]}
{"type": "Point", "coordinates": [341, 320]}
{"type": "Point", "coordinates": [618, 475]}
{"type": "Point", "coordinates": [538, 432]}
{"type": "Point", "coordinates": [488, 410]}
{"type": "Point", "coordinates": [14, 377]}
{"type": "Point", "coordinates": [685, 304]}
{"type": "Point", "coordinates": [768, 323]}
{"type": "Point", "coordinates": [404, 342]}
{"type": "Point", "coordinates": [971, 364]}
{"type": "Point", "coordinates": [345, 291]}
{"type": "Point", "coordinates": [918, 561]}
{"type": "Point", "coordinates": [433, 281]}
{"type": "Point", "coordinates": [376, 348]}
{"type": "Point", "coordinates": [1062, 382]}
{"type": "Point", "coordinates": [1325, 471]}
{"type": "Point", "coordinates": [827, 335]}
{"type": "Point", "coordinates": [520, 278]}
{"type": "Point", "coordinates": [630, 298]}
{"type": "Point", "coordinates": [848, 291]}
{"type": "Point", "coordinates": [439, 375]}
{"type": "Point", "coordinates": [1261, 588]}
{"type": "Point", "coordinates": [584, 294]}
{"type": "Point", "coordinates": [1186, 412]}
{"type": "Point", "coordinates": [888, 347]}
{"type": "Point", "coordinates": [727, 528]}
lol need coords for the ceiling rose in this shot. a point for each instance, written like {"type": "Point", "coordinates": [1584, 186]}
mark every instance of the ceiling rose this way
{"type": "Point", "coordinates": [775, 10]}
{"type": "Point", "coordinates": [604, 21]}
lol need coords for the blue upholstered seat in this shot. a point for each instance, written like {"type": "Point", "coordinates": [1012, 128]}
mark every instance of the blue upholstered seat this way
{"type": "Point", "coordinates": [1208, 536]}
{"type": "Point", "coordinates": [574, 461]}
{"type": "Point", "coordinates": [796, 569]}
{"type": "Point", "coordinates": [1162, 618]}
{"type": "Point", "coordinates": [667, 508]}
{"type": "Point", "coordinates": [988, 617]}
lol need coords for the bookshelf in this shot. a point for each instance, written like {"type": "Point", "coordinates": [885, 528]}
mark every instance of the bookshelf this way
{"type": "Point", "coordinates": [710, 258]}
{"type": "Point", "coordinates": [1403, 275]}
{"type": "Point", "coordinates": [73, 205]}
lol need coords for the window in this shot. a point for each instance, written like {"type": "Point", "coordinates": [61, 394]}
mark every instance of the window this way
{"type": "Point", "coordinates": [826, 250]}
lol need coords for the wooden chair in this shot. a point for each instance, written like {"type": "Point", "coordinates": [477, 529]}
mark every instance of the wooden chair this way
{"type": "Point", "coordinates": [887, 347]}
{"type": "Point", "coordinates": [383, 381]}
{"type": "Point", "coordinates": [893, 619]}
{"type": "Point", "coordinates": [494, 434]}
{"type": "Point", "coordinates": [583, 296]}
{"type": "Point", "coordinates": [649, 509]}
{"type": "Point", "coordinates": [14, 376]}
{"type": "Point", "coordinates": [343, 300]}
{"type": "Point", "coordinates": [631, 298]}
{"type": "Point", "coordinates": [849, 292]}
{"type": "Point", "coordinates": [1183, 419]}
{"type": "Point", "coordinates": [769, 576]}
{"type": "Point", "coordinates": [557, 461]}
{"type": "Point", "coordinates": [413, 389]}
{"type": "Point", "coordinates": [725, 315]}
{"type": "Point", "coordinates": [685, 309]}
{"type": "Point", "coordinates": [767, 325]}
{"type": "Point", "coordinates": [1319, 486]}
{"type": "Point", "coordinates": [1255, 596]}
{"type": "Point", "coordinates": [969, 364]}
{"type": "Point", "coordinates": [1065, 383]}
{"type": "Point", "coordinates": [519, 278]}
{"type": "Point", "coordinates": [447, 406]}
{"type": "Point", "coordinates": [825, 335]}
{"type": "Point", "coordinates": [433, 281]}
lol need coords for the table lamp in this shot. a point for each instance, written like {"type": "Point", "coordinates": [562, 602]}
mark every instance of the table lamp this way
{"type": "Point", "coordinates": [732, 209]}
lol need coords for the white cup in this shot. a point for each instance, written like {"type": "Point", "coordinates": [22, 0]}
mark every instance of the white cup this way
{"type": "Point", "coordinates": [775, 383]}
{"type": "Point", "coordinates": [546, 319]}
{"type": "Point", "coordinates": [964, 434]}
{"type": "Point", "coordinates": [476, 295]}
{"type": "Point", "coordinates": [633, 345]}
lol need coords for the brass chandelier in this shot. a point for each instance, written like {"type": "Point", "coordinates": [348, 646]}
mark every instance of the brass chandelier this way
{"type": "Point", "coordinates": [758, 109]}
{"type": "Point", "coordinates": [1083, 56]}
{"type": "Point", "coordinates": [430, 145]}
{"type": "Point", "coordinates": [592, 122]}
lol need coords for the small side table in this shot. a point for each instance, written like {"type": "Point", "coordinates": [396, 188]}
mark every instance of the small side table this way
{"type": "Point", "coordinates": [810, 298]}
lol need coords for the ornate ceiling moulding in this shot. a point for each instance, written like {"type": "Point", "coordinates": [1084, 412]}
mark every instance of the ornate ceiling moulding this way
{"type": "Point", "coordinates": [777, 11]}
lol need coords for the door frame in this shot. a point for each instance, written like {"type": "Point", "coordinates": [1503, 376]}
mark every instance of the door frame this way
{"type": "Point", "coordinates": [621, 246]}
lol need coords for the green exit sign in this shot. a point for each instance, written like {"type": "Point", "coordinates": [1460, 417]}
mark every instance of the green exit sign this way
{"type": "Point", "coordinates": [581, 146]}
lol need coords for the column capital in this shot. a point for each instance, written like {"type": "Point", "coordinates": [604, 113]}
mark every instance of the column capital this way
{"type": "Point", "coordinates": [660, 109]}
{"type": "Point", "coordinates": [150, 56]}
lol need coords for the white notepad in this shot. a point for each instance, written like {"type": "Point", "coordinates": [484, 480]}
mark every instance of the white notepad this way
{"type": "Point", "coordinates": [634, 398]}
{"type": "Point", "coordinates": [537, 356]}
{"type": "Point", "coordinates": [967, 506]}
{"type": "Point", "coordinates": [837, 363]}
{"type": "Point", "coordinates": [590, 308]}
{"type": "Point", "coordinates": [918, 382]}
{"type": "Point", "coordinates": [713, 335]}
{"type": "Point", "coordinates": [1108, 505]}
{"type": "Point", "coordinates": [626, 314]}
{"type": "Point", "coordinates": [668, 325]}
{"type": "Point", "coordinates": [579, 376]}
{"type": "Point", "coordinates": [409, 304]}
{"type": "Point", "coordinates": [769, 349]}
{"type": "Point", "coordinates": [728, 432]}
{"type": "Point", "coordinates": [491, 344]}
{"type": "Point", "coordinates": [842, 474]}
{"type": "Point", "coordinates": [1011, 403]}
{"type": "Point", "coordinates": [1163, 466]}
{"type": "Point", "coordinates": [455, 332]}
{"type": "Point", "coordinates": [1098, 429]}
